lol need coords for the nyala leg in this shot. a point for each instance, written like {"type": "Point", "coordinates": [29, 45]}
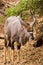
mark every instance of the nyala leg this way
{"type": "Point", "coordinates": [5, 43]}
{"type": "Point", "coordinates": [12, 45]}
{"type": "Point", "coordinates": [9, 43]}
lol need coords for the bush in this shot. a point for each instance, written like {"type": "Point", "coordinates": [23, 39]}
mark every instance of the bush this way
{"type": "Point", "coordinates": [22, 6]}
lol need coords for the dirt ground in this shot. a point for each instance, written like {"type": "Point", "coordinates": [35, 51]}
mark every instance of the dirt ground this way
{"type": "Point", "coordinates": [27, 55]}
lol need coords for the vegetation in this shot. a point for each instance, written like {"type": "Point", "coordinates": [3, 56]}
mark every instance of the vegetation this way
{"type": "Point", "coordinates": [22, 6]}
{"type": "Point", "coordinates": [25, 5]}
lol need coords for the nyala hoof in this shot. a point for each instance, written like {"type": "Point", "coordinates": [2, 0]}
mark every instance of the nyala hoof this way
{"type": "Point", "coordinates": [6, 46]}
{"type": "Point", "coordinates": [18, 47]}
{"type": "Point", "coordinates": [12, 47]}
{"type": "Point", "coordinates": [9, 45]}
